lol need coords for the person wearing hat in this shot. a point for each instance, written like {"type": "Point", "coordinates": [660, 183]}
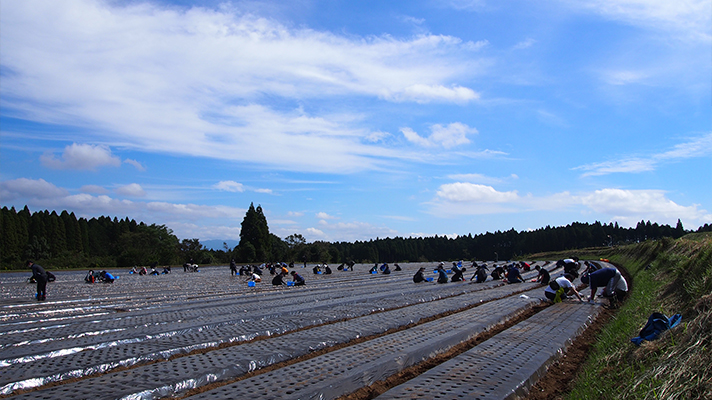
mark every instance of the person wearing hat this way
{"type": "Point", "coordinates": [418, 277]}
{"type": "Point", "coordinates": [40, 276]}
{"type": "Point", "coordinates": [442, 275]}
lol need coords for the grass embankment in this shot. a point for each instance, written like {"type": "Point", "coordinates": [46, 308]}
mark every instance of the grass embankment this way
{"type": "Point", "coordinates": [669, 276]}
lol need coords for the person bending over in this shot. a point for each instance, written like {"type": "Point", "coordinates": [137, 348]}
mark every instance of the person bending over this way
{"type": "Point", "coordinates": [561, 288]}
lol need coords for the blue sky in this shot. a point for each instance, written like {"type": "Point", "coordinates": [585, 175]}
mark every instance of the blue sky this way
{"type": "Point", "coordinates": [355, 120]}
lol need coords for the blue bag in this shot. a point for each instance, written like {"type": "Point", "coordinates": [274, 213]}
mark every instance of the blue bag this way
{"type": "Point", "coordinates": [657, 324]}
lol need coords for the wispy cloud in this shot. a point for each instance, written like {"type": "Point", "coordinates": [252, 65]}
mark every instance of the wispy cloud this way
{"type": "Point", "coordinates": [135, 163]}
{"type": "Point", "coordinates": [449, 136]}
{"type": "Point", "coordinates": [697, 147]}
{"type": "Point", "coordinates": [690, 18]}
{"type": "Point", "coordinates": [230, 186]}
{"type": "Point", "coordinates": [524, 44]}
{"type": "Point", "coordinates": [110, 60]}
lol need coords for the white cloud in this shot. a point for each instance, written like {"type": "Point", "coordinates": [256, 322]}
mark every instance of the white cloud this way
{"type": "Point", "coordinates": [193, 80]}
{"type": "Point", "coordinates": [29, 188]}
{"type": "Point", "coordinates": [265, 191]}
{"type": "Point", "coordinates": [624, 77]}
{"type": "Point", "coordinates": [690, 18]}
{"type": "Point", "coordinates": [132, 190]}
{"type": "Point", "coordinates": [696, 147]}
{"type": "Point", "coordinates": [350, 231]}
{"type": "Point", "coordinates": [315, 232]}
{"type": "Point", "coordinates": [421, 93]}
{"type": "Point", "coordinates": [480, 178]}
{"type": "Point", "coordinates": [467, 5]}
{"type": "Point", "coordinates": [81, 157]}
{"type": "Point", "coordinates": [525, 44]}
{"type": "Point", "coordinates": [295, 214]}
{"type": "Point", "coordinates": [628, 207]}
{"type": "Point", "coordinates": [376, 136]}
{"type": "Point", "coordinates": [449, 136]}
{"type": "Point", "coordinates": [463, 192]}
{"type": "Point", "coordinates": [625, 166]}
{"type": "Point", "coordinates": [323, 215]}
{"type": "Point", "coordinates": [135, 163]}
{"type": "Point", "coordinates": [230, 186]}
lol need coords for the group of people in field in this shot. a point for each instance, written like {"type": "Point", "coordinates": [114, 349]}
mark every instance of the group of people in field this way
{"type": "Point", "coordinates": [614, 286]}
{"type": "Point", "coordinates": [609, 279]}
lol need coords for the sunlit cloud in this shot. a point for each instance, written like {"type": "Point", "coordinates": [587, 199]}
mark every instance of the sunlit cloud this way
{"type": "Point", "coordinates": [452, 135]}
{"type": "Point", "coordinates": [30, 188]}
{"type": "Point", "coordinates": [208, 98]}
{"type": "Point", "coordinates": [230, 186]}
{"type": "Point", "coordinates": [81, 157]}
{"type": "Point", "coordinates": [323, 215]}
{"type": "Point", "coordinates": [629, 207]}
{"type": "Point", "coordinates": [474, 193]}
{"type": "Point", "coordinates": [131, 190]}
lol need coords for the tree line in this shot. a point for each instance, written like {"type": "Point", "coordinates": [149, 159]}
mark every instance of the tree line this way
{"type": "Point", "coordinates": [64, 241]}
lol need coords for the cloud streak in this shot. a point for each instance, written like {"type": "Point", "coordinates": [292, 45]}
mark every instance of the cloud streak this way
{"type": "Point", "coordinates": [697, 147]}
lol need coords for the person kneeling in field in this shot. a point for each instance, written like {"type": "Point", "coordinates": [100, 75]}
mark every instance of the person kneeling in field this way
{"type": "Point", "coordinates": [297, 279]}
{"type": "Point", "coordinates": [561, 288]}
{"type": "Point", "coordinates": [418, 277]}
{"type": "Point", "coordinates": [278, 279]}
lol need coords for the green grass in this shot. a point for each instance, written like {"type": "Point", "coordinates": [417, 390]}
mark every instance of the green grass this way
{"type": "Point", "coordinates": [676, 366]}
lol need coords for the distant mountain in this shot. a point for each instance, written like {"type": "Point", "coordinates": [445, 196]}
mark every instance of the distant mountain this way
{"type": "Point", "coordinates": [217, 244]}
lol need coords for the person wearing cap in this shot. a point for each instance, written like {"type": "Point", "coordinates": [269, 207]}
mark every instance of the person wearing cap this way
{"type": "Point", "coordinates": [442, 275]}
{"type": "Point", "coordinates": [563, 289]}
{"type": "Point", "coordinates": [40, 276]}
{"type": "Point", "coordinates": [297, 279]}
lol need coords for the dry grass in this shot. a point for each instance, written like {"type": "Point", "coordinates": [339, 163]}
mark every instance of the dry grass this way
{"type": "Point", "coordinates": [684, 357]}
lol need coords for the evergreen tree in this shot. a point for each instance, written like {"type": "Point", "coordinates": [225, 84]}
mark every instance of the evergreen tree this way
{"type": "Point", "coordinates": [255, 241]}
